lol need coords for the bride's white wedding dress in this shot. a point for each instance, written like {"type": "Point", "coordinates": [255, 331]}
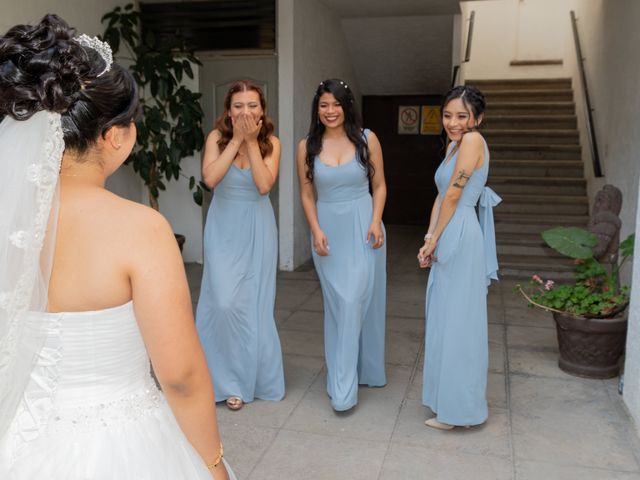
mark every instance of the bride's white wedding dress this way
{"type": "Point", "coordinates": [91, 409]}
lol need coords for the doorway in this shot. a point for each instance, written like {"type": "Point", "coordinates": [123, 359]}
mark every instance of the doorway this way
{"type": "Point", "coordinates": [410, 158]}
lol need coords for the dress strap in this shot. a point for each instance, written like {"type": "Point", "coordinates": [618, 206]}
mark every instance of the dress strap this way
{"type": "Point", "coordinates": [489, 199]}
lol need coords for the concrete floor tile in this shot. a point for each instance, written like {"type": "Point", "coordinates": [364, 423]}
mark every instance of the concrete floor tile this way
{"type": "Point", "coordinates": [495, 314]}
{"type": "Point", "coordinates": [496, 333]}
{"type": "Point", "coordinates": [528, 317]}
{"type": "Point", "coordinates": [290, 294]}
{"type": "Point", "coordinates": [309, 456]}
{"type": "Point", "coordinates": [298, 342]}
{"type": "Point", "coordinates": [244, 445]}
{"type": "Point", "coordinates": [492, 438]}
{"type": "Point", "coordinates": [403, 348]}
{"type": "Point", "coordinates": [526, 470]}
{"type": "Point", "coordinates": [496, 391]}
{"type": "Point", "coordinates": [531, 337]}
{"type": "Point", "coordinates": [568, 423]}
{"type": "Point", "coordinates": [313, 302]}
{"type": "Point", "coordinates": [415, 326]}
{"type": "Point", "coordinates": [373, 417]}
{"type": "Point", "coordinates": [300, 372]}
{"type": "Point", "coordinates": [404, 462]}
{"type": "Point", "coordinates": [281, 316]}
{"type": "Point", "coordinates": [496, 357]}
{"type": "Point", "coordinates": [307, 321]}
{"type": "Point", "coordinates": [541, 363]}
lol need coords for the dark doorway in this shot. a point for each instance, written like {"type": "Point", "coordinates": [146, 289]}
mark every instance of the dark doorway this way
{"type": "Point", "coordinates": [410, 160]}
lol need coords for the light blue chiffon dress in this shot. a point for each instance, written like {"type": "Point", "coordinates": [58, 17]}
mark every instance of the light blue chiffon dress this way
{"type": "Point", "coordinates": [234, 316]}
{"type": "Point", "coordinates": [456, 345]}
{"type": "Point", "coordinates": [353, 281]}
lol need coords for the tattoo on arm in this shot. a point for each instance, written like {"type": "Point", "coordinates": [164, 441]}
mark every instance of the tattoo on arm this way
{"type": "Point", "coordinates": [462, 179]}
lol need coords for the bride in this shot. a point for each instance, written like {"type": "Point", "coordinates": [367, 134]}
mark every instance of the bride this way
{"type": "Point", "coordinates": [90, 283]}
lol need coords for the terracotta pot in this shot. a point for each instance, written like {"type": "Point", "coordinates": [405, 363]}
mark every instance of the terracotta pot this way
{"type": "Point", "coordinates": [591, 347]}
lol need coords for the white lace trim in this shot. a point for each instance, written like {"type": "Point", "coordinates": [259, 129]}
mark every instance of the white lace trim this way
{"type": "Point", "coordinates": [45, 176]}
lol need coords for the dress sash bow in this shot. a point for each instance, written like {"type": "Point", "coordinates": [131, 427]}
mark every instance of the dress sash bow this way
{"type": "Point", "coordinates": [489, 199]}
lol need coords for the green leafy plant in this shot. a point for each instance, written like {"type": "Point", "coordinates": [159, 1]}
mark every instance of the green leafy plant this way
{"type": "Point", "coordinates": [171, 125]}
{"type": "Point", "coordinates": [596, 291]}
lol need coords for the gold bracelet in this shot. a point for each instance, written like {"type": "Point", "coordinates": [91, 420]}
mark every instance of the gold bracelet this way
{"type": "Point", "coordinates": [217, 460]}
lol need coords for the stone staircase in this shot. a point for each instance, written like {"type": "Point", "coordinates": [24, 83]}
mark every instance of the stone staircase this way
{"type": "Point", "coordinates": [536, 167]}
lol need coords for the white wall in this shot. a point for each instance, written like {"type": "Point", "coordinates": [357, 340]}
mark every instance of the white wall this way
{"type": "Point", "coordinates": [401, 55]}
{"type": "Point", "coordinates": [311, 47]}
{"type": "Point", "coordinates": [84, 15]}
{"type": "Point", "coordinates": [631, 393]}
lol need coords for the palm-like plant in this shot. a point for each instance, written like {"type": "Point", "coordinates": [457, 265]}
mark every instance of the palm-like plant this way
{"type": "Point", "coordinates": [171, 125]}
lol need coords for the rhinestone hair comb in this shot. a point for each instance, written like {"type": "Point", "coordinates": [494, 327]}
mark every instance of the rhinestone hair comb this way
{"type": "Point", "coordinates": [99, 46]}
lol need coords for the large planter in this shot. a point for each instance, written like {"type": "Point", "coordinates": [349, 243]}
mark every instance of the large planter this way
{"type": "Point", "coordinates": [591, 347]}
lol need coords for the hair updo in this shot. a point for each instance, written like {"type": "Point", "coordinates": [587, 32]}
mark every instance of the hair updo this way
{"type": "Point", "coordinates": [472, 98]}
{"type": "Point", "coordinates": [43, 68]}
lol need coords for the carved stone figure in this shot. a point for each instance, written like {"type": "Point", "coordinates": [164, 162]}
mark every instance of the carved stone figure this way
{"type": "Point", "coordinates": [605, 223]}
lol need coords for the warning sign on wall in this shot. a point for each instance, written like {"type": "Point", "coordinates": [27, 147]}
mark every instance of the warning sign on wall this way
{"type": "Point", "coordinates": [431, 123]}
{"type": "Point", "coordinates": [408, 120]}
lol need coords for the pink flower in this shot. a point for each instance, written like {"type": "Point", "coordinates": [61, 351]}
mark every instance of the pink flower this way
{"type": "Point", "coordinates": [549, 285]}
{"type": "Point", "coordinates": [536, 278]}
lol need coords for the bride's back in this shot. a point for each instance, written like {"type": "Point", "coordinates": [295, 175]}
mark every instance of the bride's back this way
{"type": "Point", "coordinates": [98, 233]}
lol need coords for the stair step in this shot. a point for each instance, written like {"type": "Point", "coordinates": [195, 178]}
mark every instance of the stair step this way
{"type": "Point", "coordinates": [535, 263]}
{"type": "Point", "coordinates": [507, 222]}
{"type": "Point", "coordinates": [529, 122]}
{"type": "Point", "coordinates": [496, 107]}
{"type": "Point", "coordinates": [532, 137]}
{"type": "Point", "coordinates": [551, 204]}
{"type": "Point", "coordinates": [520, 83]}
{"type": "Point", "coordinates": [522, 95]}
{"type": "Point", "coordinates": [530, 152]}
{"type": "Point", "coordinates": [519, 238]}
{"type": "Point", "coordinates": [538, 185]}
{"type": "Point", "coordinates": [540, 250]}
{"type": "Point", "coordinates": [536, 168]}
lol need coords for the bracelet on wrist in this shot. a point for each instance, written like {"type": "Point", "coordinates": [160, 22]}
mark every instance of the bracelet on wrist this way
{"type": "Point", "coordinates": [428, 236]}
{"type": "Point", "coordinates": [217, 460]}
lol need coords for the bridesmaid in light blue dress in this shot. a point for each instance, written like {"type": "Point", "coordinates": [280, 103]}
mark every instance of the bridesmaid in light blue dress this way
{"type": "Point", "coordinates": [460, 249]}
{"type": "Point", "coordinates": [235, 310]}
{"type": "Point", "coordinates": [342, 160]}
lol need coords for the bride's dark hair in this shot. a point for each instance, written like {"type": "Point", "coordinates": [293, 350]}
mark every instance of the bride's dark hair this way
{"type": "Point", "coordinates": [43, 68]}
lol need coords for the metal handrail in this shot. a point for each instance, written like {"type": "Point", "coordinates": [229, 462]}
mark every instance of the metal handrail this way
{"type": "Point", "coordinates": [467, 51]}
{"type": "Point", "coordinates": [593, 144]}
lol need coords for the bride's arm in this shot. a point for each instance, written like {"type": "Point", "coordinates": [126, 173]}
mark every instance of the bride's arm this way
{"type": "Point", "coordinates": [163, 309]}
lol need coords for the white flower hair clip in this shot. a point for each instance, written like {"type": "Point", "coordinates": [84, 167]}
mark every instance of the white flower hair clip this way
{"type": "Point", "coordinates": [99, 46]}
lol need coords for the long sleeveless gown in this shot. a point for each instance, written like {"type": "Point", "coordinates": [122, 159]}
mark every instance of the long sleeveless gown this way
{"type": "Point", "coordinates": [353, 282]}
{"type": "Point", "coordinates": [235, 316]}
{"type": "Point", "coordinates": [456, 345]}
{"type": "Point", "coordinates": [91, 409]}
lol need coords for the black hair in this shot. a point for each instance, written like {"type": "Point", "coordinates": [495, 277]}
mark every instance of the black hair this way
{"type": "Point", "coordinates": [352, 125]}
{"type": "Point", "coordinates": [42, 67]}
{"type": "Point", "coordinates": [472, 98]}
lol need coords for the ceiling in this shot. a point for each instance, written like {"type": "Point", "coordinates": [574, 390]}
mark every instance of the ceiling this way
{"type": "Point", "coordinates": [392, 8]}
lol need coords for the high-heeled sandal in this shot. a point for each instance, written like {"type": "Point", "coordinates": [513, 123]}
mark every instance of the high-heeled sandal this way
{"type": "Point", "coordinates": [234, 403]}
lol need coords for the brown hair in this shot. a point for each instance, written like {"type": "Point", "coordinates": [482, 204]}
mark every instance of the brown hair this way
{"type": "Point", "coordinates": [225, 127]}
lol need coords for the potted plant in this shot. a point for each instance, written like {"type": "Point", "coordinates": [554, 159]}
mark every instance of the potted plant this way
{"type": "Point", "coordinates": [591, 312]}
{"type": "Point", "coordinates": [171, 125]}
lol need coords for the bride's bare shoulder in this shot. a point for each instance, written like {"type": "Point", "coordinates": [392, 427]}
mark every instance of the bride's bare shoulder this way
{"type": "Point", "coordinates": [138, 221]}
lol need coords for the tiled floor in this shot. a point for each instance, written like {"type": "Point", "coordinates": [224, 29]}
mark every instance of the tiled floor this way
{"type": "Point", "coordinates": [543, 423]}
